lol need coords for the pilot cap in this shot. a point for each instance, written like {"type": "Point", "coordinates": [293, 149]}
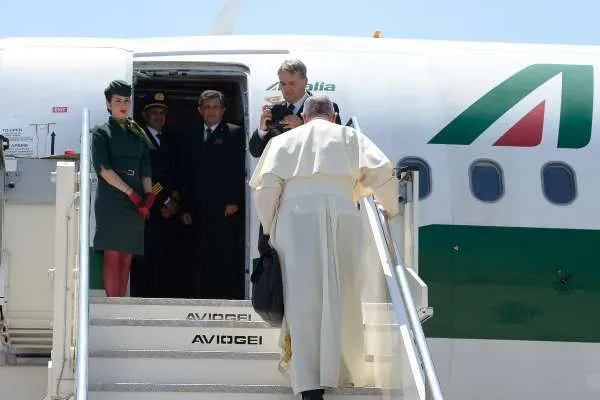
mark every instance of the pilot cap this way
{"type": "Point", "coordinates": [118, 88]}
{"type": "Point", "coordinates": [157, 99]}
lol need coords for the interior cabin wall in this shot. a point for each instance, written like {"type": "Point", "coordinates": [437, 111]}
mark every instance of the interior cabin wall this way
{"type": "Point", "coordinates": [182, 97]}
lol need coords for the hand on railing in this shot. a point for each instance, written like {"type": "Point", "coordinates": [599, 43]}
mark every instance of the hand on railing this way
{"type": "Point", "coordinates": [385, 213]}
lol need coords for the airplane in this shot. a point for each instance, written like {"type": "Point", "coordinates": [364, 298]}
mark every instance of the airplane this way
{"type": "Point", "coordinates": [502, 135]}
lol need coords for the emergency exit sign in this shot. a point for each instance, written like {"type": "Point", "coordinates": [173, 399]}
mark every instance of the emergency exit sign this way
{"type": "Point", "coordinates": [58, 110]}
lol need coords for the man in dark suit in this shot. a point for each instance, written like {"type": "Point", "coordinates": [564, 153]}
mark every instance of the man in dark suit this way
{"type": "Point", "coordinates": [152, 273]}
{"type": "Point", "coordinates": [212, 199]}
{"type": "Point", "coordinates": [283, 116]}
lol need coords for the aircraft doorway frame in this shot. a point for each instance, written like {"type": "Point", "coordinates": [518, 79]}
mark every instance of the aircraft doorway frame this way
{"type": "Point", "coordinates": [239, 73]}
{"type": "Point", "coordinates": [248, 263]}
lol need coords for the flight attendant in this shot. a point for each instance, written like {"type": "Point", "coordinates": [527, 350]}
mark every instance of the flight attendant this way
{"type": "Point", "coordinates": [121, 159]}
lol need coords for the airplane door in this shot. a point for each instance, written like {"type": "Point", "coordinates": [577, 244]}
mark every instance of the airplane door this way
{"type": "Point", "coordinates": [45, 86]}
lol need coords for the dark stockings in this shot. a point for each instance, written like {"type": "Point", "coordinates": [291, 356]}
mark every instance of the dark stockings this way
{"type": "Point", "coordinates": [116, 272]}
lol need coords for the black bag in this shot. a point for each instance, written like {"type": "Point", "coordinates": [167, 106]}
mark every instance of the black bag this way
{"type": "Point", "coordinates": [267, 290]}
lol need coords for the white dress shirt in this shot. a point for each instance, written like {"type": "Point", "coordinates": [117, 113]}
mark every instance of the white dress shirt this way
{"type": "Point", "coordinates": [212, 130]}
{"type": "Point", "coordinates": [155, 134]}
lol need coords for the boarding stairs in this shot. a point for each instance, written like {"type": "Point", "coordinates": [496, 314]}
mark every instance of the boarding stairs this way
{"type": "Point", "coordinates": [131, 348]}
{"type": "Point", "coordinates": [201, 349]}
{"type": "Point", "coordinates": [204, 348]}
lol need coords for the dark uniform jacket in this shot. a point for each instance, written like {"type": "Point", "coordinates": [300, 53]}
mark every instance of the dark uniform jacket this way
{"type": "Point", "coordinates": [164, 165]}
{"type": "Point", "coordinates": [118, 224]}
{"type": "Point", "coordinates": [213, 170]}
{"type": "Point", "coordinates": [257, 144]}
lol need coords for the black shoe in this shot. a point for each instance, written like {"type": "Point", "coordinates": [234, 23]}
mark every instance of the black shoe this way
{"type": "Point", "coordinates": [316, 394]}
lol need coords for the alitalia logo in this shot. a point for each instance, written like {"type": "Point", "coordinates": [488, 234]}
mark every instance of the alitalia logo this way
{"type": "Point", "coordinates": [576, 109]}
{"type": "Point", "coordinates": [313, 87]}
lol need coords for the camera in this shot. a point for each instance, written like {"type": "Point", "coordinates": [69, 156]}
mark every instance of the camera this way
{"type": "Point", "coordinates": [278, 112]}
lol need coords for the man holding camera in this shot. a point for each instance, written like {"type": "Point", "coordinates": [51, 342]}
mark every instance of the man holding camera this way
{"type": "Point", "coordinates": [283, 116]}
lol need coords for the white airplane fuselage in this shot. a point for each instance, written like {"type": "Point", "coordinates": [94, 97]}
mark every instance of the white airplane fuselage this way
{"type": "Point", "coordinates": [504, 135]}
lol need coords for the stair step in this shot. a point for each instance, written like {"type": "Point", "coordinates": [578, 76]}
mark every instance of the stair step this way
{"type": "Point", "coordinates": [203, 309]}
{"type": "Point", "coordinates": [131, 391]}
{"type": "Point", "coordinates": [145, 334]}
{"type": "Point", "coordinates": [26, 341]}
{"type": "Point", "coordinates": [185, 367]}
{"type": "Point", "coordinates": [169, 301]}
{"type": "Point", "coordinates": [197, 367]}
{"type": "Point", "coordinates": [29, 332]}
{"type": "Point", "coordinates": [167, 354]}
{"type": "Point", "coordinates": [186, 335]}
{"type": "Point", "coordinates": [199, 309]}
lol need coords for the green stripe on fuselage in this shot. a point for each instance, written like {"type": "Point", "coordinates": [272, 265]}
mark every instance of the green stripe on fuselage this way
{"type": "Point", "coordinates": [511, 283]}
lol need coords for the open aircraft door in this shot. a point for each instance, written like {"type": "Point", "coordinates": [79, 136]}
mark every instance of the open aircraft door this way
{"type": "Point", "coordinates": [45, 85]}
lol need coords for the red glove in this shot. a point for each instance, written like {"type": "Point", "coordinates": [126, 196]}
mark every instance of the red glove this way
{"type": "Point", "coordinates": [150, 197]}
{"type": "Point", "coordinates": [135, 198]}
{"type": "Point", "coordinates": [144, 211]}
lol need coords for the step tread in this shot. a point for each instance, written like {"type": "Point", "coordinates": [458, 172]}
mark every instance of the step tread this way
{"type": "Point", "coordinates": [120, 321]}
{"type": "Point", "coordinates": [178, 322]}
{"type": "Point", "coordinates": [199, 354]}
{"type": "Point", "coordinates": [215, 388]}
{"type": "Point", "coordinates": [141, 301]}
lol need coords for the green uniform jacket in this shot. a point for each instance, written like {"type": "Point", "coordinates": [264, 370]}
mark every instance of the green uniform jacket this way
{"type": "Point", "coordinates": [118, 224]}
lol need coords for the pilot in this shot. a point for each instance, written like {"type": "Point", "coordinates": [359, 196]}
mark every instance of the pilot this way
{"type": "Point", "coordinates": [283, 116]}
{"type": "Point", "coordinates": [124, 194]}
{"type": "Point", "coordinates": [155, 274]}
{"type": "Point", "coordinates": [212, 198]}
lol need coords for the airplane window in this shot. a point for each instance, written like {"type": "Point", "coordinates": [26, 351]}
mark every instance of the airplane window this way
{"type": "Point", "coordinates": [424, 174]}
{"type": "Point", "coordinates": [487, 183]}
{"type": "Point", "coordinates": [558, 183]}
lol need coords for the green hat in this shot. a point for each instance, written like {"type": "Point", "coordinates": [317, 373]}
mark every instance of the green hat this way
{"type": "Point", "coordinates": [119, 88]}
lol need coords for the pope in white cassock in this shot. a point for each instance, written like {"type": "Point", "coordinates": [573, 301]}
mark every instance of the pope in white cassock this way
{"type": "Point", "coordinates": [306, 187]}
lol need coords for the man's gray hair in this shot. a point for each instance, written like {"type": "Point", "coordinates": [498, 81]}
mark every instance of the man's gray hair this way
{"type": "Point", "coordinates": [318, 106]}
{"type": "Point", "coordinates": [211, 94]}
{"type": "Point", "coordinates": [293, 67]}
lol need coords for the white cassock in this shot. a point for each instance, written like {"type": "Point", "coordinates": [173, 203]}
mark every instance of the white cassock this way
{"type": "Point", "coordinates": [306, 186]}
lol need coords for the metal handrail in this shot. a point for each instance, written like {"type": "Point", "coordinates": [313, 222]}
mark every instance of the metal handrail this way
{"type": "Point", "coordinates": [399, 289]}
{"type": "Point", "coordinates": [84, 249]}
{"type": "Point", "coordinates": [411, 309]}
